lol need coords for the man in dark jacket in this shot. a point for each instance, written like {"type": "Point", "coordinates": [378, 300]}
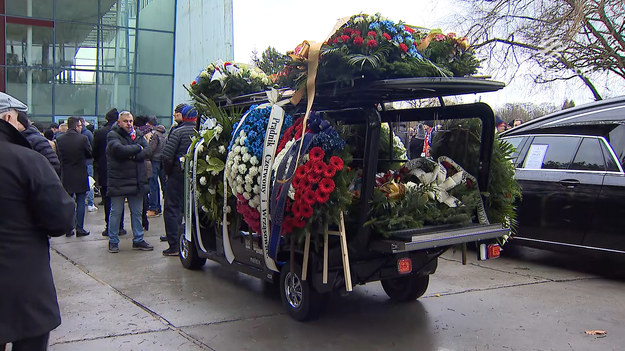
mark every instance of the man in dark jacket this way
{"type": "Point", "coordinates": [38, 142]}
{"type": "Point", "coordinates": [99, 161]}
{"type": "Point", "coordinates": [157, 144]}
{"type": "Point", "coordinates": [176, 146]}
{"type": "Point", "coordinates": [33, 205]}
{"type": "Point", "coordinates": [74, 149]}
{"type": "Point", "coordinates": [126, 152]}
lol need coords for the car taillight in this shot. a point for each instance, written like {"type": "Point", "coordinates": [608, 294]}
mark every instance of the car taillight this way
{"type": "Point", "coordinates": [404, 265]}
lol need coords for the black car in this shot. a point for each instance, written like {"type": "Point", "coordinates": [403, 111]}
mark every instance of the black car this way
{"type": "Point", "coordinates": [570, 167]}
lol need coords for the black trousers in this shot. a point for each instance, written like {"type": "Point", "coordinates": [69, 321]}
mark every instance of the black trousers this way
{"type": "Point", "coordinates": [37, 343]}
{"type": "Point", "coordinates": [174, 207]}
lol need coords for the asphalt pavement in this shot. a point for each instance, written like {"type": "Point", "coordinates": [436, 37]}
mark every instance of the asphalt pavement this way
{"type": "Point", "coordinates": [136, 300]}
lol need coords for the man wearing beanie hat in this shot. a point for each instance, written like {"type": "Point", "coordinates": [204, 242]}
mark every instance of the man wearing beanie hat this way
{"type": "Point", "coordinates": [34, 205]}
{"type": "Point", "coordinates": [176, 146]}
{"type": "Point", "coordinates": [99, 162]}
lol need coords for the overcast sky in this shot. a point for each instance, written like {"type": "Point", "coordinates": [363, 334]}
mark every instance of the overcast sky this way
{"type": "Point", "coordinates": [284, 24]}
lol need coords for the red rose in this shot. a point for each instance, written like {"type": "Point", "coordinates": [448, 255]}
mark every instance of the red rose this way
{"type": "Point", "coordinates": [372, 43]}
{"type": "Point", "coordinates": [403, 47]}
{"type": "Point", "coordinates": [193, 83]}
{"type": "Point", "coordinates": [372, 33]}
{"type": "Point", "coordinates": [326, 185]}
{"type": "Point", "coordinates": [309, 197]}
{"type": "Point", "coordinates": [316, 153]}
{"type": "Point", "coordinates": [344, 38]}
{"type": "Point", "coordinates": [322, 197]}
{"type": "Point", "coordinates": [347, 31]}
{"type": "Point", "coordinates": [306, 210]}
{"type": "Point", "coordinates": [337, 162]}
{"type": "Point", "coordinates": [336, 40]}
{"type": "Point", "coordinates": [408, 29]}
{"type": "Point", "coordinates": [356, 32]}
{"type": "Point", "coordinates": [358, 40]}
{"type": "Point", "coordinates": [387, 36]}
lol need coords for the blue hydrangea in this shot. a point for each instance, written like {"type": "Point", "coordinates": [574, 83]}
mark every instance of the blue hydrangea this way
{"type": "Point", "coordinates": [374, 25]}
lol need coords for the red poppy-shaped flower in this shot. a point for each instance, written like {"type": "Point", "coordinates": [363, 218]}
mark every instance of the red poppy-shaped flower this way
{"type": "Point", "coordinates": [318, 167]}
{"type": "Point", "coordinates": [403, 47]}
{"type": "Point", "coordinates": [314, 178]}
{"type": "Point", "coordinates": [387, 36]}
{"type": "Point", "coordinates": [305, 183]}
{"type": "Point", "coordinates": [307, 167]}
{"type": "Point", "coordinates": [309, 197]}
{"type": "Point", "coordinates": [287, 227]}
{"type": "Point", "coordinates": [298, 196]}
{"type": "Point", "coordinates": [296, 209]}
{"type": "Point", "coordinates": [372, 43]}
{"type": "Point", "coordinates": [297, 182]}
{"type": "Point", "coordinates": [358, 40]}
{"type": "Point", "coordinates": [326, 185]}
{"type": "Point", "coordinates": [321, 196]}
{"type": "Point", "coordinates": [306, 210]}
{"type": "Point", "coordinates": [408, 29]}
{"type": "Point", "coordinates": [344, 38]}
{"type": "Point", "coordinates": [299, 223]}
{"type": "Point", "coordinates": [300, 172]}
{"type": "Point", "coordinates": [330, 171]}
{"type": "Point", "coordinates": [356, 32]}
{"type": "Point", "coordinates": [337, 162]}
{"type": "Point", "coordinates": [316, 153]}
{"type": "Point", "coordinates": [372, 33]}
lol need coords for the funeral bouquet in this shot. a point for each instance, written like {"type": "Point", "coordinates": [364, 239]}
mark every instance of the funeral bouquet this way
{"type": "Point", "coordinates": [373, 47]}
{"type": "Point", "coordinates": [222, 80]}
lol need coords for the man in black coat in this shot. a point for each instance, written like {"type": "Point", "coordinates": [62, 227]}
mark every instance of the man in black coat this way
{"type": "Point", "coordinates": [74, 149]}
{"type": "Point", "coordinates": [33, 205]}
{"type": "Point", "coordinates": [126, 152]}
{"type": "Point", "coordinates": [176, 146]}
{"type": "Point", "coordinates": [99, 162]}
{"type": "Point", "coordinates": [37, 141]}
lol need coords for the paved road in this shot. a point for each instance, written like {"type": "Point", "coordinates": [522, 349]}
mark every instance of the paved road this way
{"type": "Point", "coordinates": [143, 301]}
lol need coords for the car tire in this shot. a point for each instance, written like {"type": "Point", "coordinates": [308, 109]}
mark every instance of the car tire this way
{"type": "Point", "coordinates": [188, 253]}
{"type": "Point", "coordinates": [407, 288]}
{"type": "Point", "coordinates": [299, 298]}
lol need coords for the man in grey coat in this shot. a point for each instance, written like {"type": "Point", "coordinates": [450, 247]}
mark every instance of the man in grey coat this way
{"type": "Point", "coordinates": [34, 205]}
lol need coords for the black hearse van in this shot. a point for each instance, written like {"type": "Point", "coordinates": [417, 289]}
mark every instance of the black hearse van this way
{"type": "Point", "coordinates": [570, 167]}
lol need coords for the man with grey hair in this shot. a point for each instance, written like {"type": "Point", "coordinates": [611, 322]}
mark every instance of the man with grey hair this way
{"type": "Point", "coordinates": [34, 205]}
{"type": "Point", "coordinates": [126, 152]}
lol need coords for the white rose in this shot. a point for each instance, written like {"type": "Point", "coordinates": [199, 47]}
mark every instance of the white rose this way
{"type": "Point", "coordinates": [222, 149]}
{"type": "Point", "coordinates": [228, 209]}
{"type": "Point", "coordinates": [254, 160]}
{"type": "Point", "coordinates": [242, 134]}
{"type": "Point", "coordinates": [205, 209]}
{"type": "Point", "coordinates": [246, 195]}
{"type": "Point", "coordinates": [242, 168]}
{"type": "Point", "coordinates": [305, 158]}
{"type": "Point", "coordinates": [239, 189]}
{"type": "Point", "coordinates": [239, 179]}
{"type": "Point", "coordinates": [212, 191]}
{"type": "Point", "coordinates": [237, 149]}
{"type": "Point", "coordinates": [246, 157]}
{"type": "Point", "coordinates": [242, 141]}
{"type": "Point", "coordinates": [204, 74]}
{"type": "Point", "coordinates": [214, 173]}
{"type": "Point", "coordinates": [248, 188]}
{"type": "Point", "coordinates": [202, 180]}
{"type": "Point", "coordinates": [256, 189]}
{"type": "Point", "coordinates": [237, 159]}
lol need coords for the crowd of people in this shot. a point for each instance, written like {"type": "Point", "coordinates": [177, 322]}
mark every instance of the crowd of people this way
{"type": "Point", "coordinates": [47, 180]}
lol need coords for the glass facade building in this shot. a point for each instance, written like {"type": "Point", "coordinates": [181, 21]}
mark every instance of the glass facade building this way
{"type": "Point", "coordinates": [83, 57]}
